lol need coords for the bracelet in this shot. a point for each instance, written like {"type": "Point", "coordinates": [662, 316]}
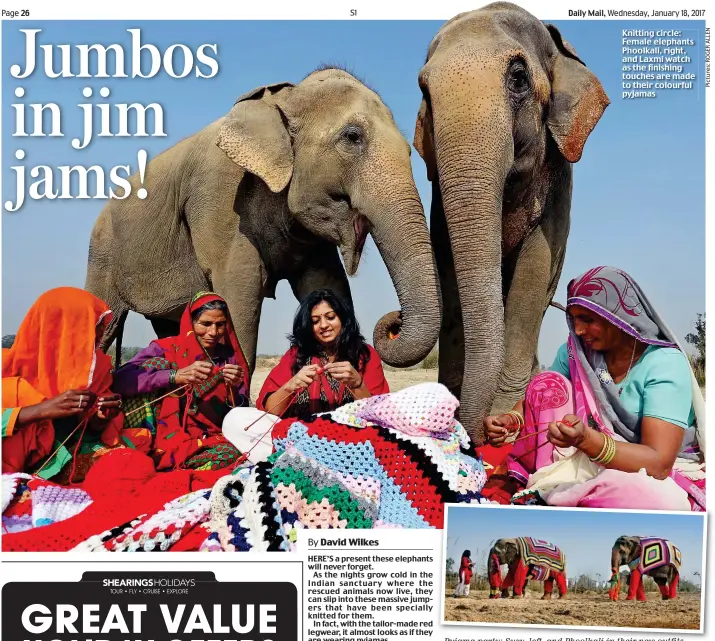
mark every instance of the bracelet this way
{"type": "Point", "coordinates": [607, 453]}
{"type": "Point", "coordinates": [362, 380]}
{"type": "Point", "coordinates": [172, 376]}
{"type": "Point", "coordinates": [518, 416]}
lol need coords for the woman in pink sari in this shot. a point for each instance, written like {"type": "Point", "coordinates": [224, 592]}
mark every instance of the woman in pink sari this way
{"type": "Point", "coordinates": [614, 423]}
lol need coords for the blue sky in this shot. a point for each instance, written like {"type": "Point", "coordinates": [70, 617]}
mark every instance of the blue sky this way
{"type": "Point", "coordinates": [584, 536]}
{"type": "Point", "coordinates": [639, 191]}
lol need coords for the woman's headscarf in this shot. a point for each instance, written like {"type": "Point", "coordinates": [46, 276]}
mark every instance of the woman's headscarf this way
{"type": "Point", "coordinates": [55, 347]}
{"type": "Point", "coordinates": [613, 295]}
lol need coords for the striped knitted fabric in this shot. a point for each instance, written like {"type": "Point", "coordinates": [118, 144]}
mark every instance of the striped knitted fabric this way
{"type": "Point", "coordinates": [541, 553]}
{"type": "Point", "coordinates": [656, 553]}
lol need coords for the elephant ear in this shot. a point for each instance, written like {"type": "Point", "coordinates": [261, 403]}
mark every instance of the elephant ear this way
{"type": "Point", "coordinates": [577, 100]}
{"type": "Point", "coordinates": [424, 139]}
{"type": "Point", "coordinates": [255, 136]}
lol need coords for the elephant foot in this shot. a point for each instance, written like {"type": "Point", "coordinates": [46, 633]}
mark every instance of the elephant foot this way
{"type": "Point", "coordinates": [546, 597]}
{"type": "Point", "coordinates": [665, 597]}
{"type": "Point", "coordinates": [517, 596]}
{"type": "Point", "coordinates": [642, 600]}
{"type": "Point", "coordinates": [630, 598]}
{"type": "Point", "coordinates": [505, 594]}
{"type": "Point", "coordinates": [563, 596]}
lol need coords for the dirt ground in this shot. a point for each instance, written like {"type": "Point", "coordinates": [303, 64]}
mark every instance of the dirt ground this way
{"type": "Point", "coordinates": [577, 609]}
{"type": "Point", "coordinates": [398, 379]}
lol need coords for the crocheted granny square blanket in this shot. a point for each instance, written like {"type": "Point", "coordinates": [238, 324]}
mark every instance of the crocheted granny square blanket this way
{"type": "Point", "coordinates": [656, 553]}
{"type": "Point", "coordinates": [29, 502]}
{"type": "Point", "coordinates": [336, 470]}
{"type": "Point", "coordinates": [541, 553]}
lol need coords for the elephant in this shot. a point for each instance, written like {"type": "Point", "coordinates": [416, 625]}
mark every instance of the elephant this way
{"type": "Point", "coordinates": [292, 175]}
{"type": "Point", "coordinates": [507, 106]}
{"type": "Point", "coordinates": [658, 558]}
{"type": "Point", "coordinates": [527, 558]}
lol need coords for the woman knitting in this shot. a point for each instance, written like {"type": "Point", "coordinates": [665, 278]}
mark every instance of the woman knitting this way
{"type": "Point", "coordinates": [328, 364]}
{"type": "Point", "coordinates": [59, 413]}
{"type": "Point", "coordinates": [205, 367]}
{"type": "Point", "coordinates": [616, 421]}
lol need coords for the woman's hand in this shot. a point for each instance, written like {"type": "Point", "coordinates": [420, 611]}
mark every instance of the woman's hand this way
{"type": "Point", "coordinates": [497, 428]}
{"type": "Point", "coordinates": [233, 374]}
{"type": "Point", "coordinates": [303, 378]}
{"type": "Point", "coordinates": [108, 406]}
{"type": "Point", "coordinates": [345, 373]}
{"type": "Point", "coordinates": [570, 431]}
{"type": "Point", "coordinates": [70, 403]}
{"type": "Point", "coordinates": [194, 374]}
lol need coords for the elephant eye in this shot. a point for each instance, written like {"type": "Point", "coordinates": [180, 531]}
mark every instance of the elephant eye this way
{"type": "Point", "coordinates": [518, 79]}
{"type": "Point", "coordinates": [352, 134]}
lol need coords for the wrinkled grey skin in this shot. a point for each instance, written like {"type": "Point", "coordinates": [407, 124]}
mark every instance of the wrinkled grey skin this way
{"type": "Point", "coordinates": [507, 552]}
{"type": "Point", "coordinates": [267, 193]}
{"type": "Point", "coordinates": [507, 107]}
{"type": "Point", "coordinates": [627, 549]}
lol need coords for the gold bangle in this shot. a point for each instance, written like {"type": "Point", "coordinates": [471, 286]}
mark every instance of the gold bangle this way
{"type": "Point", "coordinates": [610, 455]}
{"type": "Point", "coordinates": [604, 449]}
{"type": "Point", "coordinates": [516, 415]}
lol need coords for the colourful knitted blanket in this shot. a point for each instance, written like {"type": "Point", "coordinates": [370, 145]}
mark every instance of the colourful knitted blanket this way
{"type": "Point", "coordinates": [656, 553]}
{"type": "Point", "coordinates": [541, 553]}
{"type": "Point", "coordinates": [322, 474]}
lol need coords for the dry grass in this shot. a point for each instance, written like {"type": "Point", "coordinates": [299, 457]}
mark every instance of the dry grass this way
{"type": "Point", "coordinates": [593, 609]}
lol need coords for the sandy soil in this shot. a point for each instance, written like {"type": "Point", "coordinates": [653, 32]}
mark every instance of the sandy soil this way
{"type": "Point", "coordinates": [397, 380]}
{"type": "Point", "coordinates": [577, 609]}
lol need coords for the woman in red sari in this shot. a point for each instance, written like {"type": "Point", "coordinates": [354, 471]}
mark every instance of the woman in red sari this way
{"type": "Point", "coordinates": [53, 378]}
{"type": "Point", "coordinates": [206, 367]}
{"type": "Point", "coordinates": [465, 574]}
{"type": "Point", "coordinates": [328, 365]}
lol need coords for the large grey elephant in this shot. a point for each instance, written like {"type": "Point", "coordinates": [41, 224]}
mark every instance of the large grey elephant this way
{"type": "Point", "coordinates": [658, 558]}
{"type": "Point", "coordinates": [527, 558]}
{"type": "Point", "coordinates": [507, 107]}
{"type": "Point", "coordinates": [269, 192]}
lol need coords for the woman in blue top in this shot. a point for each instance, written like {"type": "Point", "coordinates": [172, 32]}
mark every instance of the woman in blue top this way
{"type": "Point", "coordinates": [614, 422]}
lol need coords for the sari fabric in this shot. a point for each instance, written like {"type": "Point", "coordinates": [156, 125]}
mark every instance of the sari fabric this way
{"type": "Point", "coordinates": [324, 394]}
{"type": "Point", "coordinates": [55, 349]}
{"type": "Point", "coordinates": [188, 424]}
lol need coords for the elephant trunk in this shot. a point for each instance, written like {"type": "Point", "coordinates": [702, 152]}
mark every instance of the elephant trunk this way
{"type": "Point", "coordinates": [615, 559]}
{"type": "Point", "coordinates": [400, 232]}
{"type": "Point", "coordinates": [475, 150]}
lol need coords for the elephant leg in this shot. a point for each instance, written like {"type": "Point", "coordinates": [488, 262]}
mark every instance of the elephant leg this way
{"type": "Point", "coordinates": [321, 270]}
{"type": "Point", "coordinates": [673, 592]}
{"type": "Point", "coordinates": [548, 588]}
{"type": "Point", "coordinates": [519, 579]}
{"type": "Point", "coordinates": [164, 327]}
{"type": "Point", "coordinates": [526, 302]}
{"type": "Point", "coordinates": [640, 595]}
{"type": "Point", "coordinates": [561, 584]}
{"type": "Point", "coordinates": [241, 281]}
{"type": "Point", "coordinates": [451, 336]}
{"type": "Point", "coordinates": [634, 585]}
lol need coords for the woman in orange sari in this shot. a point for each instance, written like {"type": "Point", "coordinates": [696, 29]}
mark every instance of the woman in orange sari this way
{"type": "Point", "coordinates": [54, 377]}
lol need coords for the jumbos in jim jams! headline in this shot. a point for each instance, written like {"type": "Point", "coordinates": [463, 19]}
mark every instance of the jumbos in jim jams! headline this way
{"type": "Point", "coordinates": [99, 117]}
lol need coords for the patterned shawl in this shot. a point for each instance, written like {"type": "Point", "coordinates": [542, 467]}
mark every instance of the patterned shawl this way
{"type": "Point", "coordinates": [616, 297]}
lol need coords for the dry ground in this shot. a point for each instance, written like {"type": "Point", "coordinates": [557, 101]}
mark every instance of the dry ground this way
{"type": "Point", "coordinates": [397, 379]}
{"type": "Point", "coordinates": [577, 609]}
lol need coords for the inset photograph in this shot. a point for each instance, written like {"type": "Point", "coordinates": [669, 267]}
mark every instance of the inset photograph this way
{"type": "Point", "coordinates": [554, 567]}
